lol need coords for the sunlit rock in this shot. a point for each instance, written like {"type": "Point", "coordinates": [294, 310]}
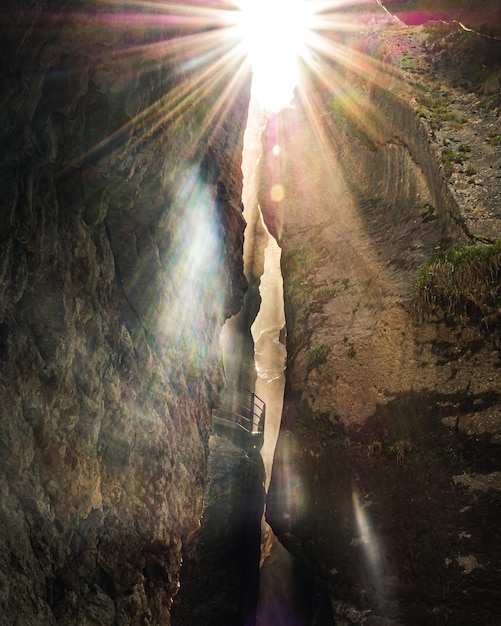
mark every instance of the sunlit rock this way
{"type": "Point", "coordinates": [120, 262]}
{"type": "Point", "coordinates": [385, 478]}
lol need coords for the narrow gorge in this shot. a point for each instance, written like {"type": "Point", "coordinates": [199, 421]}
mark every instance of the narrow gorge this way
{"type": "Point", "coordinates": [133, 239]}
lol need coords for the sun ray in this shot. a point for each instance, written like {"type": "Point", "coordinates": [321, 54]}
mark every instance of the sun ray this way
{"type": "Point", "coordinates": [274, 34]}
{"type": "Point", "coordinates": [210, 59]}
{"type": "Point", "coordinates": [213, 49]}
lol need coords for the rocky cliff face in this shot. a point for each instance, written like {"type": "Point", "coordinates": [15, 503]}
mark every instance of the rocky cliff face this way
{"type": "Point", "coordinates": [386, 475]}
{"type": "Point", "coordinates": [485, 17]}
{"type": "Point", "coordinates": [220, 575]}
{"type": "Point", "coordinates": [121, 255]}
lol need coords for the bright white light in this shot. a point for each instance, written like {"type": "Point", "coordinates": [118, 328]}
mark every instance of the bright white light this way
{"type": "Point", "coordinates": [275, 34]}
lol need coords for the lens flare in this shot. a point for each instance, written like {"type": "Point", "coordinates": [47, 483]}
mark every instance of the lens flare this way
{"type": "Point", "coordinates": [277, 193]}
{"type": "Point", "coordinates": [275, 34]}
{"type": "Point", "coordinates": [369, 543]}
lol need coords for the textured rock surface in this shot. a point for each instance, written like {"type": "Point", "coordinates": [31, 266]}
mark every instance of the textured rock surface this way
{"type": "Point", "coordinates": [385, 478]}
{"type": "Point", "coordinates": [219, 582]}
{"type": "Point", "coordinates": [485, 16]}
{"type": "Point", "coordinates": [121, 255]}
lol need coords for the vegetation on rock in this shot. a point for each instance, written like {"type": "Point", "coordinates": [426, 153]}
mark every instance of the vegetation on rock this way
{"type": "Point", "coordinates": [477, 57]}
{"type": "Point", "coordinates": [465, 281]}
{"type": "Point", "coordinates": [297, 263]}
{"type": "Point", "coordinates": [318, 354]}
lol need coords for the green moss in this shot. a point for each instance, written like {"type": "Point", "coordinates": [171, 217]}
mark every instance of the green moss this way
{"type": "Point", "coordinates": [322, 295]}
{"type": "Point", "coordinates": [340, 105]}
{"type": "Point", "coordinates": [318, 354]}
{"type": "Point", "coordinates": [325, 293]}
{"type": "Point", "coordinates": [494, 139]}
{"type": "Point", "coordinates": [407, 61]}
{"type": "Point", "coordinates": [297, 269]}
{"type": "Point", "coordinates": [435, 107]}
{"type": "Point", "coordinates": [450, 158]}
{"type": "Point", "coordinates": [448, 168]}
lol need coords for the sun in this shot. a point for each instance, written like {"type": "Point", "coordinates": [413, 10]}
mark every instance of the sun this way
{"type": "Point", "coordinates": [275, 34]}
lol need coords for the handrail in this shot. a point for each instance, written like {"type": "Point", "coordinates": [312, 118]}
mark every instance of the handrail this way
{"type": "Point", "coordinates": [243, 414]}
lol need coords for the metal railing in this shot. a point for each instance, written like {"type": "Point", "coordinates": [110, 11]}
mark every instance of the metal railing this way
{"type": "Point", "coordinates": [241, 418]}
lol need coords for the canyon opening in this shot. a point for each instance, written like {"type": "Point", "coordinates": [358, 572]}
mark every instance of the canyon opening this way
{"type": "Point", "coordinates": [250, 272]}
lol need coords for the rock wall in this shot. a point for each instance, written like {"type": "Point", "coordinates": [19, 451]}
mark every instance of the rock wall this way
{"type": "Point", "coordinates": [121, 256]}
{"type": "Point", "coordinates": [485, 17]}
{"type": "Point", "coordinates": [386, 475]}
{"type": "Point", "coordinates": [220, 575]}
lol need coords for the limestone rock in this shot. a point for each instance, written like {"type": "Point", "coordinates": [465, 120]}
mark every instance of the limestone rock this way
{"type": "Point", "coordinates": [385, 478]}
{"type": "Point", "coordinates": [219, 579]}
{"type": "Point", "coordinates": [118, 267]}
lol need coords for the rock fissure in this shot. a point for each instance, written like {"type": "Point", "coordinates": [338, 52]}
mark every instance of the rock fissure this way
{"type": "Point", "coordinates": [122, 256]}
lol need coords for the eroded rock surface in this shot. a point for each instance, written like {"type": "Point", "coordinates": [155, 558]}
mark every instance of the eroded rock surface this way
{"type": "Point", "coordinates": [385, 478]}
{"type": "Point", "coordinates": [219, 582]}
{"type": "Point", "coordinates": [121, 256]}
{"type": "Point", "coordinates": [485, 16]}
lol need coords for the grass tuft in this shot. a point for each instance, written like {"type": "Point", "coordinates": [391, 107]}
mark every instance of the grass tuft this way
{"type": "Point", "coordinates": [465, 281]}
{"type": "Point", "coordinates": [318, 354]}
